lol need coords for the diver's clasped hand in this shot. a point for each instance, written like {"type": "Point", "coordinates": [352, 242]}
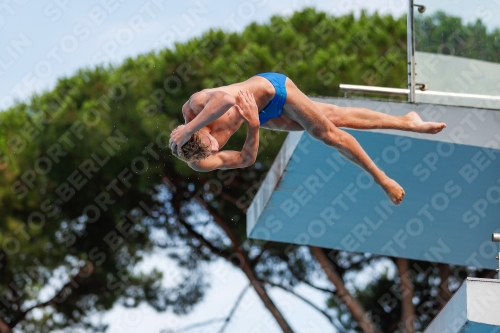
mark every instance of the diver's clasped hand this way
{"type": "Point", "coordinates": [178, 138]}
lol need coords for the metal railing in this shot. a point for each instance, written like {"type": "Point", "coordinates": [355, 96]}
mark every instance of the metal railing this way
{"type": "Point", "coordinates": [410, 37]}
{"type": "Point", "coordinates": [373, 90]}
{"type": "Point", "coordinates": [415, 88]}
{"type": "Point", "coordinates": [495, 237]}
{"type": "Point", "coordinates": [346, 88]}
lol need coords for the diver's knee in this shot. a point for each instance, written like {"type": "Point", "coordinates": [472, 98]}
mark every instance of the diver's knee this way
{"type": "Point", "coordinates": [318, 132]}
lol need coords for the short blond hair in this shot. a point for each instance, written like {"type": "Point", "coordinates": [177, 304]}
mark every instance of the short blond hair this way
{"type": "Point", "coordinates": [193, 150]}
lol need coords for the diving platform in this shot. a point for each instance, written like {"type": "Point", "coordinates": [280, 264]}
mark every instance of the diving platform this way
{"type": "Point", "coordinates": [314, 196]}
{"type": "Point", "coordinates": [474, 308]}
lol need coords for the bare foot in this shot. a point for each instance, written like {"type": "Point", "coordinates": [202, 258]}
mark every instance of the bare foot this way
{"type": "Point", "coordinates": [420, 126]}
{"type": "Point", "coordinates": [393, 190]}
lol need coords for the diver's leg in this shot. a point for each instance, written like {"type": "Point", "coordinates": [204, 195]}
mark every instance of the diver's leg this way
{"type": "Point", "coordinates": [283, 123]}
{"type": "Point", "coordinates": [301, 109]}
{"type": "Point", "coordinates": [362, 118]}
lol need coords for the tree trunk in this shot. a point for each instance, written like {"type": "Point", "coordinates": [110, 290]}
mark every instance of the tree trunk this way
{"type": "Point", "coordinates": [408, 309]}
{"type": "Point", "coordinates": [268, 302]}
{"type": "Point", "coordinates": [4, 328]}
{"type": "Point", "coordinates": [444, 290]}
{"type": "Point", "coordinates": [356, 309]}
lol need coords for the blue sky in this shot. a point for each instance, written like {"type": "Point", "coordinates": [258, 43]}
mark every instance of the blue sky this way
{"type": "Point", "coordinates": [43, 40]}
{"type": "Point", "coordinates": [46, 39]}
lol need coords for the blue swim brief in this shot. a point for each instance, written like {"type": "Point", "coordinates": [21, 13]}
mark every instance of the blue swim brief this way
{"type": "Point", "coordinates": [275, 107]}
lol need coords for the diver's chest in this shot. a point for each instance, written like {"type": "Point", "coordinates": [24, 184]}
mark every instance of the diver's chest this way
{"type": "Point", "coordinates": [228, 123]}
{"type": "Point", "coordinates": [231, 118]}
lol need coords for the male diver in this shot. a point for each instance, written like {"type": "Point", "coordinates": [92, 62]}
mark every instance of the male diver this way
{"type": "Point", "coordinates": [273, 101]}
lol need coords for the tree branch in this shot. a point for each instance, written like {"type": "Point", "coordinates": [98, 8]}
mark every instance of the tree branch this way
{"type": "Point", "coordinates": [229, 197]}
{"type": "Point", "coordinates": [230, 315]}
{"type": "Point", "coordinates": [264, 248]}
{"type": "Point", "coordinates": [406, 286]}
{"type": "Point", "coordinates": [83, 271]}
{"type": "Point", "coordinates": [203, 323]}
{"type": "Point", "coordinates": [330, 319]}
{"type": "Point", "coordinates": [4, 327]}
{"type": "Point", "coordinates": [301, 279]}
{"type": "Point", "coordinates": [220, 221]}
{"type": "Point", "coordinates": [215, 250]}
{"type": "Point", "coordinates": [357, 311]}
{"type": "Point", "coordinates": [444, 290]}
{"type": "Point", "coordinates": [487, 274]}
{"type": "Point", "coordinates": [217, 218]}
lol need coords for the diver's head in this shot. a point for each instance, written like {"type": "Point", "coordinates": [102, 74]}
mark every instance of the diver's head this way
{"type": "Point", "coordinates": [199, 146]}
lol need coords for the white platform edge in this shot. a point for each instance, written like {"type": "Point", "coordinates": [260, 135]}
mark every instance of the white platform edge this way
{"type": "Point", "coordinates": [272, 179]}
{"type": "Point", "coordinates": [483, 301]}
{"type": "Point", "coordinates": [469, 307]}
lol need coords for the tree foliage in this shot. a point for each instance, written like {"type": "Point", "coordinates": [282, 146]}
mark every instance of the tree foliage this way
{"type": "Point", "coordinates": [444, 34]}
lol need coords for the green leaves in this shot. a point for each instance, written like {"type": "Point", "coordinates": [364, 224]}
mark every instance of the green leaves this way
{"type": "Point", "coordinates": [444, 34]}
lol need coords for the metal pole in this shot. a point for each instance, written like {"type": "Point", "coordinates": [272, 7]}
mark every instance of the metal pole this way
{"type": "Point", "coordinates": [410, 37]}
{"type": "Point", "coordinates": [495, 237]}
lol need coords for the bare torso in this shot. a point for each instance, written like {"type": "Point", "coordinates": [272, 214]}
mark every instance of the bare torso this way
{"type": "Point", "coordinates": [225, 126]}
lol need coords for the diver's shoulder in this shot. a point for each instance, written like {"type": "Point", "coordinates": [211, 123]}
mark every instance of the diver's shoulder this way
{"type": "Point", "coordinates": [198, 100]}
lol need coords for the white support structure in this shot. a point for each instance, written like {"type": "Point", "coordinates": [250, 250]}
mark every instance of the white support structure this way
{"type": "Point", "coordinates": [496, 238]}
{"type": "Point", "coordinates": [474, 308]}
{"type": "Point", "coordinates": [410, 37]}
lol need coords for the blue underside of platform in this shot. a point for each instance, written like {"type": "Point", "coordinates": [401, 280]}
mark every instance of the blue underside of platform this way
{"type": "Point", "coordinates": [472, 327]}
{"type": "Point", "coordinates": [451, 207]}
